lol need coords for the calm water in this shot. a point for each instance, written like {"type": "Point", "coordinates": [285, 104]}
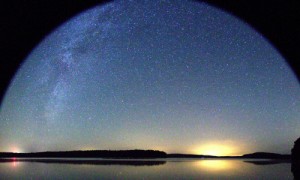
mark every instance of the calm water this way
{"type": "Point", "coordinates": [143, 169]}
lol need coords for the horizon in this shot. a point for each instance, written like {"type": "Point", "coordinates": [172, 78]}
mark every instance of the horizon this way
{"type": "Point", "coordinates": [168, 153]}
{"type": "Point", "coordinates": [179, 77]}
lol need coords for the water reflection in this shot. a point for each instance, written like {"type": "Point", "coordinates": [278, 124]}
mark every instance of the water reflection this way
{"type": "Point", "coordinates": [216, 165]}
{"type": "Point", "coordinates": [274, 162]}
{"type": "Point", "coordinates": [15, 161]}
{"type": "Point", "coordinates": [55, 168]}
{"type": "Point", "coordinates": [15, 164]}
{"type": "Point", "coordinates": [268, 162]}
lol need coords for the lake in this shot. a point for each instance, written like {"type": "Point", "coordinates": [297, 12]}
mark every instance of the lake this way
{"type": "Point", "coordinates": [73, 168]}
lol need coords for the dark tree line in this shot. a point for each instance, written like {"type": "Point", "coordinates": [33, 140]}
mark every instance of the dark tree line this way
{"type": "Point", "coordinates": [92, 154]}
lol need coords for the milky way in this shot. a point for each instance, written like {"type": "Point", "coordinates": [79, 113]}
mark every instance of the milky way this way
{"type": "Point", "coordinates": [168, 75]}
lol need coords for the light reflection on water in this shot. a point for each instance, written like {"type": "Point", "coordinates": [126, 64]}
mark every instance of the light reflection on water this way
{"type": "Point", "coordinates": [143, 169]}
{"type": "Point", "coordinates": [217, 165]}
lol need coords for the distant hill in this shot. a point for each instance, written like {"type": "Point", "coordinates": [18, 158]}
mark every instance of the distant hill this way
{"type": "Point", "coordinates": [266, 155]}
{"type": "Point", "coordinates": [122, 154]}
{"type": "Point", "coordinates": [256, 155]}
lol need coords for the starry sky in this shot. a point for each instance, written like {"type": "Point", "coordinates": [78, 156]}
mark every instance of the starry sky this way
{"type": "Point", "coordinates": [177, 76]}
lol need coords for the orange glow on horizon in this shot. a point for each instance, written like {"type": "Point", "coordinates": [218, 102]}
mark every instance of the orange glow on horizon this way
{"type": "Point", "coordinates": [15, 150]}
{"type": "Point", "coordinates": [87, 148]}
{"type": "Point", "coordinates": [218, 149]}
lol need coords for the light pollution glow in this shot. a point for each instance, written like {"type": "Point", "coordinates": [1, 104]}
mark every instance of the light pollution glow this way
{"type": "Point", "coordinates": [15, 149]}
{"type": "Point", "coordinates": [221, 149]}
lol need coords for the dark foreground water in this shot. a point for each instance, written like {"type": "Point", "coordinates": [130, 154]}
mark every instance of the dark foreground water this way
{"type": "Point", "coordinates": [143, 169]}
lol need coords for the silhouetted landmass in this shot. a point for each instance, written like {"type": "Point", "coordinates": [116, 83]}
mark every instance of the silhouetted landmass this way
{"type": "Point", "coordinates": [135, 154]}
{"type": "Point", "coordinates": [123, 154]}
{"type": "Point", "coordinates": [256, 155]}
{"type": "Point", "coordinates": [296, 159]}
{"type": "Point", "coordinates": [88, 161]}
{"type": "Point", "coordinates": [266, 155]}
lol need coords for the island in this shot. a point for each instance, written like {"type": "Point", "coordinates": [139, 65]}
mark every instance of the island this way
{"type": "Point", "coordinates": [107, 154]}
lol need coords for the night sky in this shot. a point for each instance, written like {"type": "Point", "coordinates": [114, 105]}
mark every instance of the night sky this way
{"type": "Point", "coordinates": [169, 75]}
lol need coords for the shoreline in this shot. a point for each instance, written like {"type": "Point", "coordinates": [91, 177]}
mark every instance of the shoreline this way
{"type": "Point", "coordinates": [137, 154]}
